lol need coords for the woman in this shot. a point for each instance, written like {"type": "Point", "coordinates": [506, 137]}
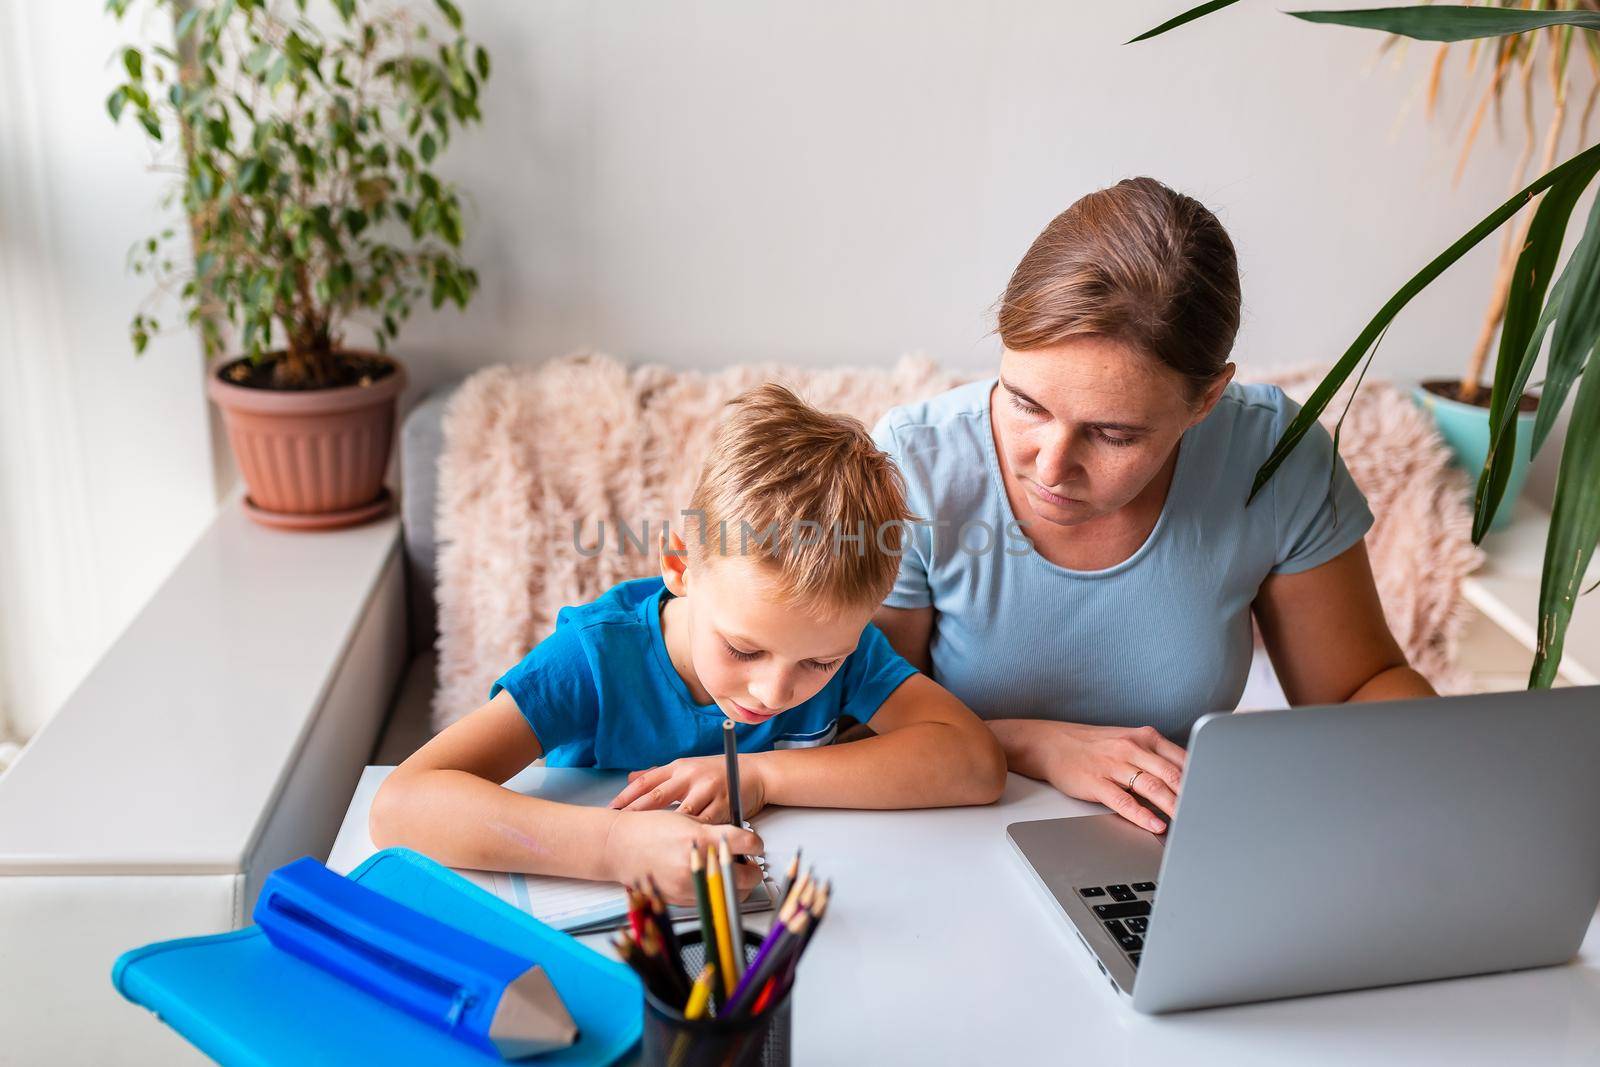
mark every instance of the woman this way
{"type": "Point", "coordinates": [1089, 568]}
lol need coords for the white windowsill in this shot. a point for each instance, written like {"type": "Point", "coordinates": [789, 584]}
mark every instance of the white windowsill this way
{"type": "Point", "coordinates": [1498, 645]}
{"type": "Point", "coordinates": [173, 752]}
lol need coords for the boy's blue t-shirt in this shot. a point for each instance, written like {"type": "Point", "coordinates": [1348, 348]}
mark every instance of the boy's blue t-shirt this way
{"type": "Point", "coordinates": [601, 690]}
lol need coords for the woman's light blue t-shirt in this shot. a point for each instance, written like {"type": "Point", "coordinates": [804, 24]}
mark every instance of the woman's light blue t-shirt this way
{"type": "Point", "coordinates": [601, 691]}
{"type": "Point", "coordinates": [1159, 639]}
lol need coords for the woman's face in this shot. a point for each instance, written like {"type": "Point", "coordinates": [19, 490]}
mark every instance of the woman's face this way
{"type": "Point", "coordinates": [1085, 425]}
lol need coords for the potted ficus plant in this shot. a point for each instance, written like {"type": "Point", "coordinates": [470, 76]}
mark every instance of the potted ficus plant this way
{"type": "Point", "coordinates": [303, 160]}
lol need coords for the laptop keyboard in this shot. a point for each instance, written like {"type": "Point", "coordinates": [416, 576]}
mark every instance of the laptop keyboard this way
{"type": "Point", "coordinates": [1124, 910]}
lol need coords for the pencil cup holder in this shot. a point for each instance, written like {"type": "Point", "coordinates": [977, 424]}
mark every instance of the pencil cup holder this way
{"type": "Point", "coordinates": [752, 1041]}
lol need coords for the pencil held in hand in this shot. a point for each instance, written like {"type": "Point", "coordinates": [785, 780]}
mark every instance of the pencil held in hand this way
{"type": "Point", "coordinates": [730, 755]}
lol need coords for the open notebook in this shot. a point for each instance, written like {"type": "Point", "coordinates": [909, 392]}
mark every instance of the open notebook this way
{"type": "Point", "coordinates": [575, 905]}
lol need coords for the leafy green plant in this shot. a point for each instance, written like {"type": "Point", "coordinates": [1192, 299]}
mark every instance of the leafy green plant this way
{"type": "Point", "coordinates": [303, 161]}
{"type": "Point", "coordinates": [1509, 63]}
{"type": "Point", "coordinates": [1568, 312]}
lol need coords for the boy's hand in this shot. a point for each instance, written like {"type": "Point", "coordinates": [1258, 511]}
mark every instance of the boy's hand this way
{"type": "Point", "coordinates": [698, 784]}
{"type": "Point", "coordinates": [645, 843]}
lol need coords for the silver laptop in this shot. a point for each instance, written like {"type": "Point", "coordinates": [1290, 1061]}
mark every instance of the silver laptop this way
{"type": "Point", "coordinates": [1321, 849]}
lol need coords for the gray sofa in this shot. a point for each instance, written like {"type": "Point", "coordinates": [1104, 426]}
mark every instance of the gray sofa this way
{"type": "Point", "coordinates": [421, 441]}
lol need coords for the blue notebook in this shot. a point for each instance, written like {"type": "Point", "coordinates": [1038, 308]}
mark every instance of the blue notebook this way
{"type": "Point", "coordinates": [242, 1001]}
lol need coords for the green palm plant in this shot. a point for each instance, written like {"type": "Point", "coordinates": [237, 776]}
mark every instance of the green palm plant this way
{"type": "Point", "coordinates": [1509, 64]}
{"type": "Point", "coordinates": [1537, 304]}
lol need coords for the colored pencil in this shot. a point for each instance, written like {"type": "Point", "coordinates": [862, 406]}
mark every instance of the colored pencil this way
{"type": "Point", "coordinates": [719, 923]}
{"type": "Point", "coordinates": [797, 887]}
{"type": "Point", "coordinates": [702, 900]}
{"type": "Point", "coordinates": [766, 996]}
{"type": "Point", "coordinates": [820, 908]}
{"type": "Point", "coordinates": [775, 963]}
{"type": "Point", "coordinates": [725, 987]}
{"type": "Point", "coordinates": [767, 944]}
{"type": "Point", "coordinates": [788, 879]}
{"type": "Point", "coordinates": [635, 913]}
{"type": "Point", "coordinates": [658, 908]}
{"type": "Point", "coordinates": [661, 920]}
{"type": "Point", "coordinates": [735, 917]}
{"type": "Point", "coordinates": [675, 983]}
{"type": "Point", "coordinates": [700, 995]}
{"type": "Point", "coordinates": [817, 907]}
{"type": "Point", "coordinates": [631, 954]}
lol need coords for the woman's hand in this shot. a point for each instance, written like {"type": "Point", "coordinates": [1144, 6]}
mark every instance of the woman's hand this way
{"type": "Point", "coordinates": [698, 784]}
{"type": "Point", "coordinates": [645, 844]}
{"type": "Point", "coordinates": [1097, 763]}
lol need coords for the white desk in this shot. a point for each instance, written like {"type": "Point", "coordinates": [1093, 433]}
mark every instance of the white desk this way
{"type": "Point", "coordinates": [939, 950]}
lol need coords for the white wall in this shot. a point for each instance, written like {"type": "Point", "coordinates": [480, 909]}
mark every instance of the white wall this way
{"type": "Point", "coordinates": [105, 460]}
{"type": "Point", "coordinates": [705, 181]}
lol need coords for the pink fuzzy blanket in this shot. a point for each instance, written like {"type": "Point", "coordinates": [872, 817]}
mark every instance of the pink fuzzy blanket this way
{"type": "Point", "coordinates": [533, 452]}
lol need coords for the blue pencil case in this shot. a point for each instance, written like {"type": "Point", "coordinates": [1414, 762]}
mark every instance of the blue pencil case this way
{"type": "Point", "coordinates": [242, 1000]}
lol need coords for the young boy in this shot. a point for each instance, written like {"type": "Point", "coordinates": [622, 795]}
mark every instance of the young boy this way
{"type": "Point", "coordinates": [762, 619]}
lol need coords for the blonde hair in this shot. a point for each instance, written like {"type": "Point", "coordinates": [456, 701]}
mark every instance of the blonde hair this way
{"type": "Point", "coordinates": [807, 491]}
{"type": "Point", "coordinates": [1139, 263]}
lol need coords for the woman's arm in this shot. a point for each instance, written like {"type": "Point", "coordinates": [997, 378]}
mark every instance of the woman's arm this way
{"type": "Point", "coordinates": [927, 750]}
{"type": "Point", "coordinates": [446, 801]}
{"type": "Point", "coordinates": [1326, 635]}
{"type": "Point", "coordinates": [1098, 763]}
{"type": "Point", "coordinates": [910, 631]}
{"type": "Point", "coordinates": [1091, 763]}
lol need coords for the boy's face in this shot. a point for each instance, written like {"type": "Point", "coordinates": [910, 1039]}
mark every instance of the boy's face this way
{"type": "Point", "coordinates": [754, 655]}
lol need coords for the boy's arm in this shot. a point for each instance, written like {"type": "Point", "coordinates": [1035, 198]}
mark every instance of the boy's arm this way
{"type": "Point", "coordinates": [446, 802]}
{"type": "Point", "coordinates": [929, 751]}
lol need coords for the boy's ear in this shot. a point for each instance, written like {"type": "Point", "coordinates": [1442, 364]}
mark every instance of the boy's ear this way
{"type": "Point", "coordinates": [674, 563]}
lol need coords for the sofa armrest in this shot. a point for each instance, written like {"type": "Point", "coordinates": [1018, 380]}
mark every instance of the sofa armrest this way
{"type": "Point", "coordinates": [421, 443]}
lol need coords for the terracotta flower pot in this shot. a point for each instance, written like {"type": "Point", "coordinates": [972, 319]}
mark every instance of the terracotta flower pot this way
{"type": "Point", "coordinates": [315, 458]}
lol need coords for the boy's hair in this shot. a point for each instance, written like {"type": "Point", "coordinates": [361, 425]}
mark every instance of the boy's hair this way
{"type": "Point", "coordinates": [807, 490]}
